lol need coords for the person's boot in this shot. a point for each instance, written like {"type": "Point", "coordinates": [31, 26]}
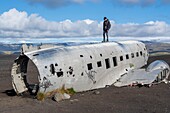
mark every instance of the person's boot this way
{"type": "Point", "coordinates": [107, 40]}
{"type": "Point", "coordinates": [103, 39]}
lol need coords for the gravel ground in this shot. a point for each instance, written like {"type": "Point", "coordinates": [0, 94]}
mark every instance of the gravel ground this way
{"type": "Point", "coordinates": [109, 100]}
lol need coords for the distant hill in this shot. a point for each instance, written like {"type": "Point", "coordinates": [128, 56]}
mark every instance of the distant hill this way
{"type": "Point", "coordinates": [157, 47]}
{"type": "Point", "coordinates": [10, 47]}
{"type": "Point", "coordinates": [16, 48]}
{"type": "Point", "coordinates": [152, 46]}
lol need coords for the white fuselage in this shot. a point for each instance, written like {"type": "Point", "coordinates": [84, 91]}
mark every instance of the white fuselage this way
{"type": "Point", "coordinates": [87, 67]}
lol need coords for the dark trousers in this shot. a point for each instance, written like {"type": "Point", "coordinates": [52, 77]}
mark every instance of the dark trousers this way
{"type": "Point", "coordinates": [105, 33]}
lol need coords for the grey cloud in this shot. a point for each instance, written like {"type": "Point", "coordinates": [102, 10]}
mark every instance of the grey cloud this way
{"type": "Point", "coordinates": [135, 2]}
{"type": "Point", "coordinates": [57, 3]}
{"type": "Point", "coordinates": [61, 3]}
{"type": "Point", "coordinates": [166, 1]}
{"type": "Point", "coordinates": [50, 3]}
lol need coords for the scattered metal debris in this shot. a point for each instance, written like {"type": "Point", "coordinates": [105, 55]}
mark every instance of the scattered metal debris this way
{"type": "Point", "coordinates": [74, 100]}
{"type": "Point", "coordinates": [157, 71]}
{"type": "Point", "coordinates": [96, 92]}
{"type": "Point", "coordinates": [59, 96]}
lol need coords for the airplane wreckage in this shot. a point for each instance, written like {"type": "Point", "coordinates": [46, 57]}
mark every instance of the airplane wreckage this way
{"type": "Point", "coordinates": [86, 67]}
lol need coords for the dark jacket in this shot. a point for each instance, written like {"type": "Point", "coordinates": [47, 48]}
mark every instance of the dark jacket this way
{"type": "Point", "coordinates": [106, 25]}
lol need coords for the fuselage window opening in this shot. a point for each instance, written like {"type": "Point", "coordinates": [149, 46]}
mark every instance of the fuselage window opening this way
{"type": "Point", "coordinates": [132, 55]}
{"type": "Point", "coordinates": [107, 61]}
{"type": "Point", "coordinates": [127, 56]}
{"type": "Point", "coordinates": [140, 53]}
{"type": "Point", "coordinates": [56, 64]}
{"type": "Point", "coordinates": [89, 66]}
{"type": "Point", "coordinates": [81, 55]}
{"type": "Point", "coordinates": [121, 58]}
{"type": "Point", "coordinates": [114, 61]}
{"type": "Point", "coordinates": [91, 57]}
{"type": "Point", "coordinates": [101, 55]}
{"type": "Point", "coordinates": [82, 74]}
{"type": "Point", "coordinates": [137, 54]}
{"type": "Point", "coordinates": [60, 73]}
{"type": "Point", "coordinates": [52, 69]}
{"type": "Point", "coordinates": [99, 64]}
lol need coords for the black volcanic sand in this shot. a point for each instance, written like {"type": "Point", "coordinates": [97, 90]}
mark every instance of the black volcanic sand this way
{"type": "Point", "coordinates": [110, 100]}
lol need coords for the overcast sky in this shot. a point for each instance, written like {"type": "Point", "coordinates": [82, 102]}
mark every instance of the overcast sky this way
{"type": "Point", "coordinates": [38, 19]}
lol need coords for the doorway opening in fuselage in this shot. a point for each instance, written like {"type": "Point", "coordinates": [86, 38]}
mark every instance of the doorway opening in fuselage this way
{"type": "Point", "coordinates": [32, 78]}
{"type": "Point", "coordinates": [30, 75]}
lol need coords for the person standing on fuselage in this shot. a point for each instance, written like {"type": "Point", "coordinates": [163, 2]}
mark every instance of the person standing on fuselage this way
{"type": "Point", "coordinates": [106, 27]}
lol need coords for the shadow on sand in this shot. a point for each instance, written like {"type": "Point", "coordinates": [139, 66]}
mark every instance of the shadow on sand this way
{"type": "Point", "coordinates": [10, 92]}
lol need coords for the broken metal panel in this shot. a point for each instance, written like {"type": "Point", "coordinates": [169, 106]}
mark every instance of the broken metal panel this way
{"type": "Point", "coordinates": [158, 64]}
{"type": "Point", "coordinates": [18, 82]}
{"type": "Point", "coordinates": [156, 70]}
{"type": "Point", "coordinates": [25, 48]}
{"type": "Point", "coordinates": [67, 66]}
{"type": "Point", "coordinates": [18, 74]}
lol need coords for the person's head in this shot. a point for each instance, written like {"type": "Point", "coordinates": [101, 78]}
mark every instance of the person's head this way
{"type": "Point", "coordinates": [105, 18]}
